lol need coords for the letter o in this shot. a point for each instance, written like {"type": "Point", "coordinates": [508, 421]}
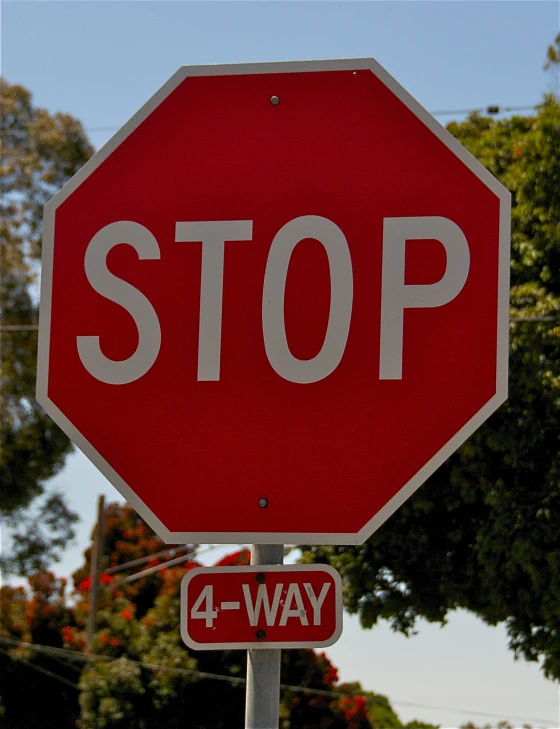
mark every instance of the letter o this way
{"type": "Point", "coordinates": [274, 330]}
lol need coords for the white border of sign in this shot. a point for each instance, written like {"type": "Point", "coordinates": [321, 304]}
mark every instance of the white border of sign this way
{"type": "Point", "coordinates": [502, 323]}
{"type": "Point", "coordinates": [253, 569]}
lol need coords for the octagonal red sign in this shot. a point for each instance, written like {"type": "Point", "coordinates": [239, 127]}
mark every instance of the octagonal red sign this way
{"type": "Point", "coordinates": [275, 302]}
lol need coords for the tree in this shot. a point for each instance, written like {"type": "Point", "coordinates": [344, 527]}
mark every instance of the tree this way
{"type": "Point", "coordinates": [138, 629]}
{"type": "Point", "coordinates": [139, 623]}
{"type": "Point", "coordinates": [553, 54]}
{"type": "Point", "coordinates": [39, 152]}
{"type": "Point", "coordinates": [38, 615]}
{"type": "Point", "coordinates": [482, 533]}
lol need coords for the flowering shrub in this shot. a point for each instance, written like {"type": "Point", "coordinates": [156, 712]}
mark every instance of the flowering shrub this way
{"type": "Point", "coordinates": [138, 622]}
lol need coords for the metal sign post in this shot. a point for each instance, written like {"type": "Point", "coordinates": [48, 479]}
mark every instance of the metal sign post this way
{"type": "Point", "coordinates": [263, 666]}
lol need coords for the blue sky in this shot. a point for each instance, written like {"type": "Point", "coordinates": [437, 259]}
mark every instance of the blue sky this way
{"type": "Point", "coordinates": [101, 61]}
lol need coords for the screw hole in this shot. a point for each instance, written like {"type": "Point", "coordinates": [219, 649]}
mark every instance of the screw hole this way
{"type": "Point", "coordinates": [274, 100]}
{"type": "Point", "coordinates": [263, 503]}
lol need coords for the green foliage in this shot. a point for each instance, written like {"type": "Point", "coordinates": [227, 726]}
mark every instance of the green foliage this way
{"type": "Point", "coordinates": [36, 616]}
{"type": "Point", "coordinates": [553, 54]}
{"type": "Point", "coordinates": [482, 533]}
{"type": "Point", "coordinates": [39, 152]}
{"type": "Point", "coordinates": [143, 676]}
{"type": "Point", "coordinates": [111, 695]}
{"type": "Point", "coordinates": [378, 709]}
{"type": "Point", "coordinates": [140, 620]}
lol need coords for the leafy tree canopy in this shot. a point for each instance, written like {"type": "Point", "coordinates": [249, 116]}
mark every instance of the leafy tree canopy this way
{"type": "Point", "coordinates": [553, 54]}
{"type": "Point", "coordinates": [138, 629]}
{"type": "Point", "coordinates": [482, 533]}
{"type": "Point", "coordinates": [39, 152]}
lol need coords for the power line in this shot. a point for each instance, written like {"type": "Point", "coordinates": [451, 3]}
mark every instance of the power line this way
{"type": "Point", "coordinates": [533, 318]}
{"type": "Point", "coordinates": [142, 560]}
{"type": "Point", "coordinates": [18, 327]}
{"type": "Point", "coordinates": [67, 663]}
{"type": "Point", "coordinates": [151, 570]}
{"type": "Point", "coordinates": [40, 669]}
{"type": "Point", "coordinates": [34, 327]}
{"type": "Point", "coordinates": [492, 109]}
{"type": "Point", "coordinates": [89, 657]}
{"type": "Point", "coordinates": [163, 565]}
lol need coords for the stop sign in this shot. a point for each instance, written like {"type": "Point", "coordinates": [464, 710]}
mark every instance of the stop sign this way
{"type": "Point", "coordinates": [275, 302]}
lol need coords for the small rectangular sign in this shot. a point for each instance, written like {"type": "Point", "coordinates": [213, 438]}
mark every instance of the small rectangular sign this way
{"type": "Point", "coordinates": [261, 606]}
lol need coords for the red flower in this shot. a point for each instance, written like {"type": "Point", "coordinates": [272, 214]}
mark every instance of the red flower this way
{"type": "Point", "coordinates": [104, 639]}
{"type": "Point", "coordinates": [127, 533]}
{"type": "Point", "coordinates": [85, 584]}
{"type": "Point", "coordinates": [106, 579]}
{"type": "Point", "coordinates": [126, 614]}
{"type": "Point", "coordinates": [115, 641]}
{"type": "Point", "coordinates": [68, 635]}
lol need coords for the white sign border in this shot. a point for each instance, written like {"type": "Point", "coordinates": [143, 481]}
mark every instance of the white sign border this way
{"type": "Point", "coordinates": [253, 569]}
{"type": "Point", "coordinates": [437, 460]}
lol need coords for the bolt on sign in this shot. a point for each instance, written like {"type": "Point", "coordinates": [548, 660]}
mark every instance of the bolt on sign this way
{"type": "Point", "coordinates": [279, 606]}
{"type": "Point", "coordinates": [275, 302]}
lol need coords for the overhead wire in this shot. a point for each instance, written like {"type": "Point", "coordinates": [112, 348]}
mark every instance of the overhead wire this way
{"type": "Point", "coordinates": [490, 109]}
{"type": "Point", "coordinates": [40, 669]}
{"type": "Point", "coordinates": [34, 327]}
{"type": "Point", "coordinates": [163, 565]}
{"type": "Point", "coordinates": [142, 560]}
{"type": "Point", "coordinates": [18, 327]}
{"type": "Point", "coordinates": [91, 657]}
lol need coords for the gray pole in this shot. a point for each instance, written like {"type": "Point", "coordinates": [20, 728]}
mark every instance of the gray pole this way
{"type": "Point", "coordinates": [96, 556]}
{"type": "Point", "coordinates": [263, 665]}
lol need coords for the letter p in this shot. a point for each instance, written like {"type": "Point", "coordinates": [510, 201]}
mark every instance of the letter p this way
{"type": "Point", "coordinates": [396, 296]}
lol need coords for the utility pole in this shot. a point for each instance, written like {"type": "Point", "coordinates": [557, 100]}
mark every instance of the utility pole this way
{"type": "Point", "coordinates": [96, 557]}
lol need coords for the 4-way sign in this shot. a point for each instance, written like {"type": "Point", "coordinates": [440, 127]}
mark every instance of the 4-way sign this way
{"type": "Point", "coordinates": [279, 606]}
{"type": "Point", "coordinates": [275, 302]}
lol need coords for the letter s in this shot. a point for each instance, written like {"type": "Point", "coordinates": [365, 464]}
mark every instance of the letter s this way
{"type": "Point", "coordinates": [121, 372]}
